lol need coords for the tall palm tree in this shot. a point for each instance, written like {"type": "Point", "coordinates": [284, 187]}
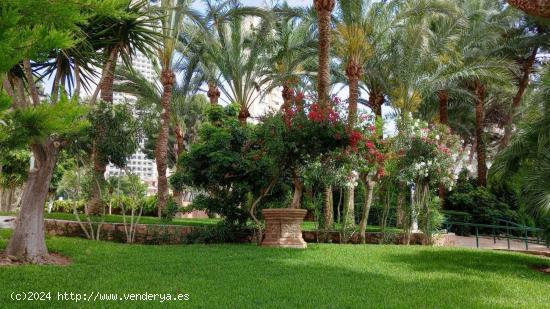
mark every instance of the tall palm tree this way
{"type": "Point", "coordinates": [172, 14]}
{"type": "Point", "coordinates": [324, 10]}
{"type": "Point", "coordinates": [122, 37]}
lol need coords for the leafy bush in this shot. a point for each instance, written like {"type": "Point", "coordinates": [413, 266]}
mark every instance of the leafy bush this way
{"type": "Point", "coordinates": [67, 206]}
{"type": "Point", "coordinates": [483, 204]}
{"type": "Point", "coordinates": [219, 233]}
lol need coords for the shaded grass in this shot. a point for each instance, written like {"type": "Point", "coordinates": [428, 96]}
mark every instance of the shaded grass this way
{"type": "Point", "coordinates": [323, 276]}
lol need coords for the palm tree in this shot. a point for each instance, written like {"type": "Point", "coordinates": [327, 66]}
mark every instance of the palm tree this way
{"type": "Point", "coordinates": [232, 53]}
{"type": "Point", "coordinates": [122, 37]}
{"type": "Point", "coordinates": [291, 50]}
{"type": "Point", "coordinates": [172, 22]}
{"type": "Point", "coordinates": [324, 10]}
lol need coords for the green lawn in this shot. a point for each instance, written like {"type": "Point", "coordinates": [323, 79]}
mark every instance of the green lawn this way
{"type": "Point", "coordinates": [322, 276]}
{"type": "Point", "coordinates": [143, 219]}
{"type": "Point", "coordinates": [307, 226]}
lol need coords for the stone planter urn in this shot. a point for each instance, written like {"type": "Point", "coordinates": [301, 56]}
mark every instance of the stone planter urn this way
{"type": "Point", "coordinates": [283, 228]}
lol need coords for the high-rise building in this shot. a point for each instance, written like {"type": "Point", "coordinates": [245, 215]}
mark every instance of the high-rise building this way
{"type": "Point", "coordinates": [138, 163]}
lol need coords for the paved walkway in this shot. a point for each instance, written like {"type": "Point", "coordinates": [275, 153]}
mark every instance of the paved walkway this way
{"type": "Point", "coordinates": [6, 222]}
{"type": "Point", "coordinates": [488, 243]}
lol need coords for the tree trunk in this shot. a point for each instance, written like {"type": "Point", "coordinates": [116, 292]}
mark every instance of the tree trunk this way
{"type": "Point", "coordinates": [324, 9]}
{"type": "Point", "coordinates": [349, 204]}
{"type": "Point", "coordinates": [213, 93]}
{"type": "Point", "coordinates": [95, 205]}
{"type": "Point", "coordinates": [108, 80]}
{"type": "Point", "coordinates": [298, 191]}
{"type": "Point", "coordinates": [180, 147]}
{"type": "Point", "coordinates": [443, 96]}
{"type": "Point", "coordinates": [161, 150]}
{"type": "Point", "coordinates": [400, 213]}
{"type": "Point", "coordinates": [328, 211]}
{"type": "Point", "coordinates": [516, 102]}
{"type": "Point", "coordinates": [366, 209]}
{"type": "Point", "coordinates": [353, 73]}
{"type": "Point", "coordinates": [539, 8]}
{"type": "Point", "coordinates": [243, 114]}
{"type": "Point", "coordinates": [376, 100]}
{"type": "Point", "coordinates": [480, 148]}
{"type": "Point", "coordinates": [28, 242]}
{"type": "Point", "coordinates": [30, 81]}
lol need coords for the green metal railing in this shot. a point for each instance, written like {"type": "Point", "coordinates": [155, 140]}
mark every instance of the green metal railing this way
{"type": "Point", "coordinates": [527, 234]}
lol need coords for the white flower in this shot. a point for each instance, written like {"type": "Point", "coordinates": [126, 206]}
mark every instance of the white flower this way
{"type": "Point", "coordinates": [437, 137]}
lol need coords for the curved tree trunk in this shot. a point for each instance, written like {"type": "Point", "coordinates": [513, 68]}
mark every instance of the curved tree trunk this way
{"type": "Point", "coordinates": [516, 102]}
{"type": "Point", "coordinates": [168, 80]}
{"type": "Point", "coordinates": [32, 86]}
{"type": "Point", "coordinates": [369, 184]}
{"type": "Point", "coordinates": [539, 8]}
{"type": "Point", "coordinates": [324, 9]}
{"type": "Point", "coordinates": [213, 93]}
{"type": "Point", "coordinates": [28, 242]}
{"type": "Point", "coordinates": [480, 146]}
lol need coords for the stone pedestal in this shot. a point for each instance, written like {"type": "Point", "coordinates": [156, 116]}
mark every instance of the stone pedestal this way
{"type": "Point", "coordinates": [283, 228]}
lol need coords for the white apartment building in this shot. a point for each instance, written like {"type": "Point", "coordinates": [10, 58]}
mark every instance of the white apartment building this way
{"type": "Point", "coordinates": [138, 163]}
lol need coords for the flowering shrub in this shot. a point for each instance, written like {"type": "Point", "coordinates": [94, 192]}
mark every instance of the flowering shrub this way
{"type": "Point", "coordinates": [427, 153]}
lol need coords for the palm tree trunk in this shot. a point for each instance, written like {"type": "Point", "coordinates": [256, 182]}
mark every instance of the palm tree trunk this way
{"type": "Point", "coordinates": [539, 8]}
{"type": "Point", "coordinates": [366, 209]}
{"type": "Point", "coordinates": [161, 149]}
{"type": "Point", "coordinates": [213, 93]}
{"type": "Point", "coordinates": [28, 240]}
{"type": "Point", "coordinates": [443, 96]}
{"type": "Point", "coordinates": [353, 72]}
{"type": "Point", "coordinates": [523, 83]}
{"type": "Point", "coordinates": [480, 147]}
{"type": "Point", "coordinates": [324, 9]}
{"type": "Point", "coordinates": [243, 114]}
{"type": "Point", "coordinates": [376, 99]}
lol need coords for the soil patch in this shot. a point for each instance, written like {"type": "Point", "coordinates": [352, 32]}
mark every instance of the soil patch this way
{"type": "Point", "coordinates": [543, 269]}
{"type": "Point", "coordinates": [51, 259]}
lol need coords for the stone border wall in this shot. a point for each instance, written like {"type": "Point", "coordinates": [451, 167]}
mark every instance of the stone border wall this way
{"type": "Point", "coordinates": [156, 234]}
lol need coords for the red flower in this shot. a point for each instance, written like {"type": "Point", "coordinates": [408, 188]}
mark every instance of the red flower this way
{"type": "Point", "coordinates": [354, 138]}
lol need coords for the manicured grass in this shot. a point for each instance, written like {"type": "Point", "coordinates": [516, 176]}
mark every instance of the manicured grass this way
{"type": "Point", "coordinates": [247, 276]}
{"type": "Point", "coordinates": [143, 219]}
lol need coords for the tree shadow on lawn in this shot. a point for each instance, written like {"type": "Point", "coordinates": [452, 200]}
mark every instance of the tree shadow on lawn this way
{"type": "Point", "coordinates": [470, 261]}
